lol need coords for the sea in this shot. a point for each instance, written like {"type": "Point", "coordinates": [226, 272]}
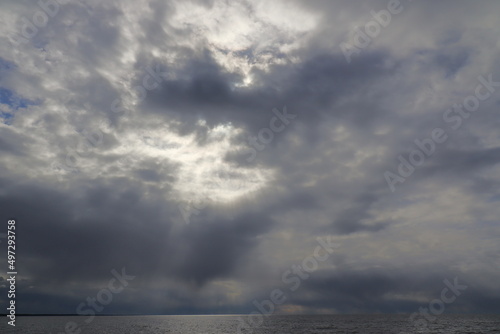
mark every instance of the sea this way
{"type": "Point", "coordinates": [236, 324]}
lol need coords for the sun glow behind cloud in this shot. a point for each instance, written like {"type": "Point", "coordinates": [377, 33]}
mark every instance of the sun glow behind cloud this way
{"type": "Point", "coordinates": [202, 171]}
{"type": "Point", "coordinates": [243, 36]}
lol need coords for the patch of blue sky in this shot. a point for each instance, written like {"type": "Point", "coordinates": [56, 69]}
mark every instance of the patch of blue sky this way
{"type": "Point", "coordinates": [9, 97]}
{"type": "Point", "coordinates": [14, 102]}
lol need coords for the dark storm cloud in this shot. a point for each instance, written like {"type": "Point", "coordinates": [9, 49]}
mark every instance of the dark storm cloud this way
{"type": "Point", "coordinates": [309, 88]}
{"type": "Point", "coordinates": [100, 215]}
{"type": "Point", "coordinates": [214, 248]}
{"type": "Point", "coordinates": [108, 224]}
{"type": "Point", "coordinates": [382, 291]}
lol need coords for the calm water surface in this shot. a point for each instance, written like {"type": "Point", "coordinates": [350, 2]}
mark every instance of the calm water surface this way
{"type": "Point", "coordinates": [361, 324]}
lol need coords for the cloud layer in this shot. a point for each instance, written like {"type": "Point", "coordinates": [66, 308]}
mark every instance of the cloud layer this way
{"type": "Point", "coordinates": [146, 135]}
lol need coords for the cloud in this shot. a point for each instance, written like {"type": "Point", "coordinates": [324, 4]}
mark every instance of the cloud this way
{"type": "Point", "coordinates": [117, 115]}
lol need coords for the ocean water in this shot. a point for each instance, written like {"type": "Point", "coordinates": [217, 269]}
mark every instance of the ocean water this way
{"type": "Point", "coordinates": [360, 324]}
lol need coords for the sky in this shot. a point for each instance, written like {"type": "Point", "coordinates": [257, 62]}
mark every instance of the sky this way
{"type": "Point", "coordinates": [345, 153]}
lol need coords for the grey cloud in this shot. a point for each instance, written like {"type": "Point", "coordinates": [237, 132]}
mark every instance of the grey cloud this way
{"type": "Point", "coordinates": [324, 173]}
